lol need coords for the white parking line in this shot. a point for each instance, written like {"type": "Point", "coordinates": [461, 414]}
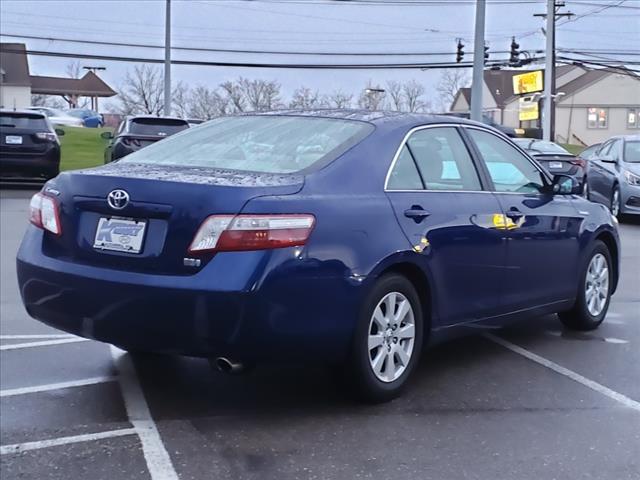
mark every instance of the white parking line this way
{"type": "Point", "coordinates": [55, 386]}
{"type": "Point", "coordinates": [33, 337]}
{"type": "Point", "coordinates": [88, 437]}
{"type": "Point", "coordinates": [155, 453]}
{"type": "Point", "coordinates": [618, 397]}
{"type": "Point", "coordinates": [44, 343]}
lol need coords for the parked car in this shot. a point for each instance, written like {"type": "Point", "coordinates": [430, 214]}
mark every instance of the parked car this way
{"type": "Point", "coordinates": [58, 117]}
{"type": "Point", "coordinates": [614, 175]}
{"type": "Point", "coordinates": [29, 147]}
{"type": "Point", "coordinates": [341, 237]}
{"type": "Point", "coordinates": [589, 152]}
{"type": "Point", "coordinates": [555, 159]}
{"type": "Point", "coordinates": [90, 118]}
{"type": "Point", "coordinates": [194, 121]}
{"type": "Point", "coordinates": [134, 133]}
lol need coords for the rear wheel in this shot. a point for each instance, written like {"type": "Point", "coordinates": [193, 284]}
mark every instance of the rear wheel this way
{"type": "Point", "coordinates": [594, 292]}
{"type": "Point", "coordinates": [388, 340]}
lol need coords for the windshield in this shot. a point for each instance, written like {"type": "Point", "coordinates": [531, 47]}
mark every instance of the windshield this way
{"type": "Point", "coordinates": [540, 146]}
{"type": "Point", "coordinates": [632, 151]}
{"type": "Point", "coordinates": [18, 120]}
{"type": "Point", "coordinates": [270, 144]}
{"type": "Point", "coordinates": [153, 126]}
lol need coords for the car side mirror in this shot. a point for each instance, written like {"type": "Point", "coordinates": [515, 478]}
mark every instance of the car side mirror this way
{"type": "Point", "coordinates": [107, 135]}
{"type": "Point", "coordinates": [565, 185]}
{"type": "Point", "coordinates": [59, 132]}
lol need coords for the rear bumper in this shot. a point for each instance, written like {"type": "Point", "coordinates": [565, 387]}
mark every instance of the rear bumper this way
{"type": "Point", "coordinates": [282, 309]}
{"type": "Point", "coordinates": [45, 165]}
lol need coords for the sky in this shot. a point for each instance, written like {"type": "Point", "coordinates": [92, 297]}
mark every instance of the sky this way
{"type": "Point", "coordinates": [307, 26]}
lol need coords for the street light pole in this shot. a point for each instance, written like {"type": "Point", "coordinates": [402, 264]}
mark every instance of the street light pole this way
{"type": "Point", "coordinates": [167, 60]}
{"type": "Point", "coordinates": [549, 71]}
{"type": "Point", "coordinates": [478, 63]}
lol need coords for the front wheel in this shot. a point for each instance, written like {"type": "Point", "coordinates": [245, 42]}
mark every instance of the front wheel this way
{"type": "Point", "coordinates": [615, 201]}
{"type": "Point", "coordinates": [594, 292]}
{"type": "Point", "coordinates": [388, 340]}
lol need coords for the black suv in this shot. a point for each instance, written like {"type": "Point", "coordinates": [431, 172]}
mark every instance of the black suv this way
{"type": "Point", "coordinates": [29, 147]}
{"type": "Point", "coordinates": [134, 133]}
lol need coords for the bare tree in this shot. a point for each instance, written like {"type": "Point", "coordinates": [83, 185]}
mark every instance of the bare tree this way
{"type": "Point", "coordinates": [372, 97]}
{"type": "Point", "coordinates": [304, 97]}
{"type": "Point", "coordinates": [180, 98]}
{"type": "Point", "coordinates": [73, 69]}
{"type": "Point", "coordinates": [412, 92]}
{"type": "Point", "coordinates": [338, 99]}
{"type": "Point", "coordinates": [451, 81]}
{"type": "Point", "coordinates": [261, 95]}
{"type": "Point", "coordinates": [396, 95]}
{"type": "Point", "coordinates": [142, 91]}
{"type": "Point", "coordinates": [38, 100]}
{"type": "Point", "coordinates": [205, 103]}
{"type": "Point", "coordinates": [234, 95]}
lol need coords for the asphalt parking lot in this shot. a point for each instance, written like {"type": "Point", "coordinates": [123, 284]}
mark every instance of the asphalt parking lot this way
{"type": "Point", "coordinates": [531, 402]}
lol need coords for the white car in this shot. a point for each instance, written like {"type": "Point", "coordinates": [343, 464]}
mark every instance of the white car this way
{"type": "Point", "coordinates": [58, 117]}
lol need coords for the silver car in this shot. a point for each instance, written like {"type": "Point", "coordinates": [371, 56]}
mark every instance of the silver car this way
{"type": "Point", "coordinates": [58, 117]}
{"type": "Point", "coordinates": [614, 175]}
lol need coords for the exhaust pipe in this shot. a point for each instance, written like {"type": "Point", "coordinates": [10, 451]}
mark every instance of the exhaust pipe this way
{"type": "Point", "coordinates": [226, 365]}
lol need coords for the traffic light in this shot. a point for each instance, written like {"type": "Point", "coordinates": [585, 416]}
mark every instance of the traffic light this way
{"type": "Point", "coordinates": [460, 53]}
{"type": "Point", "coordinates": [514, 58]}
{"type": "Point", "coordinates": [486, 52]}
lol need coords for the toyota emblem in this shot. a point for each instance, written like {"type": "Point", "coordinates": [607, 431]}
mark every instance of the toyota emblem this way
{"type": "Point", "coordinates": [118, 199]}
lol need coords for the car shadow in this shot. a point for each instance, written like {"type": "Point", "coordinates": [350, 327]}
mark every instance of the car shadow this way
{"type": "Point", "coordinates": [463, 374]}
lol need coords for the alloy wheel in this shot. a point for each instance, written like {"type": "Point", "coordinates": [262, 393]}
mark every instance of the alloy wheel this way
{"type": "Point", "coordinates": [597, 284]}
{"type": "Point", "coordinates": [392, 335]}
{"type": "Point", "coordinates": [615, 203]}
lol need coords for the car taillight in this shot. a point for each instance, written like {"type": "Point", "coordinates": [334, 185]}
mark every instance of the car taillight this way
{"type": "Point", "coordinates": [44, 213]}
{"type": "Point", "coordinates": [47, 136]}
{"type": "Point", "coordinates": [251, 232]}
{"type": "Point", "coordinates": [131, 141]}
{"type": "Point", "coordinates": [579, 161]}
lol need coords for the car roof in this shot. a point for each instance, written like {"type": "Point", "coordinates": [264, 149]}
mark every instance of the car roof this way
{"type": "Point", "coordinates": [375, 117]}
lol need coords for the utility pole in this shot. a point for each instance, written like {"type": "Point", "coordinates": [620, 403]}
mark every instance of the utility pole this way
{"type": "Point", "coordinates": [167, 60]}
{"type": "Point", "coordinates": [549, 111]}
{"type": "Point", "coordinates": [478, 63]}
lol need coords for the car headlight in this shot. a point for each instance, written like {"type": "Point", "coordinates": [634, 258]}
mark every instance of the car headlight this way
{"type": "Point", "coordinates": [631, 178]}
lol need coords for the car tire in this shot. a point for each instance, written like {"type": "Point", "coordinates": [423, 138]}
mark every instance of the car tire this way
{"type": "Point", "coordinates": [585, 188]}
{"type": "Point", "coordinates": [378, 372]}
{"type": "Point", "coordinates": [594, 291]}
{"type": "Point", "coordinates": [615, 201]}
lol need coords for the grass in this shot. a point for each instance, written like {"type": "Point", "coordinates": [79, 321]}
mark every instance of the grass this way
{"type": "Point", "coordinates": [575, 149]}
{"type": "Point", "coordinates": [82, 148]}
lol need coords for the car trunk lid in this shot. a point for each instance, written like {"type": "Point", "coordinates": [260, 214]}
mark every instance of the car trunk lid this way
{"type": "Point", "coordinates": [166, 205]}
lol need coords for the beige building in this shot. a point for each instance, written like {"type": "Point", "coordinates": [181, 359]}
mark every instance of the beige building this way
{"type": "Point", "coordinates": [15, 81]}
{"type": "Point", "coordinates": [592, 105]}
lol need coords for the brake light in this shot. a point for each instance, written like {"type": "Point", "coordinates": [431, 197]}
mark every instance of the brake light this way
{"type": "Point", "coordinates": [579, 161]}
{"type": "Point", "coordinates": [220, 233]}
{"type": "Point", "coordinates": [47, 136]}
{"type": "Point", "coordinates": [131, 141]}
{"type": "Point", "coordinates": [44, 213]}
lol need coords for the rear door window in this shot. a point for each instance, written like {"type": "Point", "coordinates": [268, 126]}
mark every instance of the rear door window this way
{"type": "Point", "coordinates": [404, 175]}
{"type": "Point", "coordinates": [443, 160]}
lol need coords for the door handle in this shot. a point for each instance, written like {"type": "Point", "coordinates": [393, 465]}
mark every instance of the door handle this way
{"type": "Point", "coordinates": [417, 213]}
{"type": "Point", "coordinates": [514, 214]}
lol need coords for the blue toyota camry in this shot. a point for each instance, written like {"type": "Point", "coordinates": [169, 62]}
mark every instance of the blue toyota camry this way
{"type": "Point", "coordinates": [336, 237]}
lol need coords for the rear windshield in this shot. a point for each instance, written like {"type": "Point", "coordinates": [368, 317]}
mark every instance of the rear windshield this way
{"type": "Point", "coordinates": [152, 126]}
{"type": "Point", "coordinates": [270, 144]}
{"type": "Point", "coordinates": [18, 120]}
{"type": "Point", "coordinates": [632, 152]}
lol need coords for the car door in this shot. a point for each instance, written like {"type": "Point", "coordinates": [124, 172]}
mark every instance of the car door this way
{"type": "Point", "coordinates": [542, 246]}
{"type": "Point", "coordinates": [438, 198]}
{"type": "Point", "coordinates": [602, 176]}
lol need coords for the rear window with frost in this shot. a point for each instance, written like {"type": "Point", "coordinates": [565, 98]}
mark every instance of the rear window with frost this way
{"type": "Point", "coordinates": [261, 143]}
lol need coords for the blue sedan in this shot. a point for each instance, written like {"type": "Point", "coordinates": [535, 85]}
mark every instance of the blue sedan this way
{"type": "Point", "coordinates": [336, 237]}
{"type": "Point", "coordinates": [90, 118]}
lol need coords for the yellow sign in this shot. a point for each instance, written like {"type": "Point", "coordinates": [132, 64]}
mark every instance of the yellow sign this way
{"type": "Point", "coordinates": [529, 82]}
{"type": "Point", "coordinates": [528, 110]}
